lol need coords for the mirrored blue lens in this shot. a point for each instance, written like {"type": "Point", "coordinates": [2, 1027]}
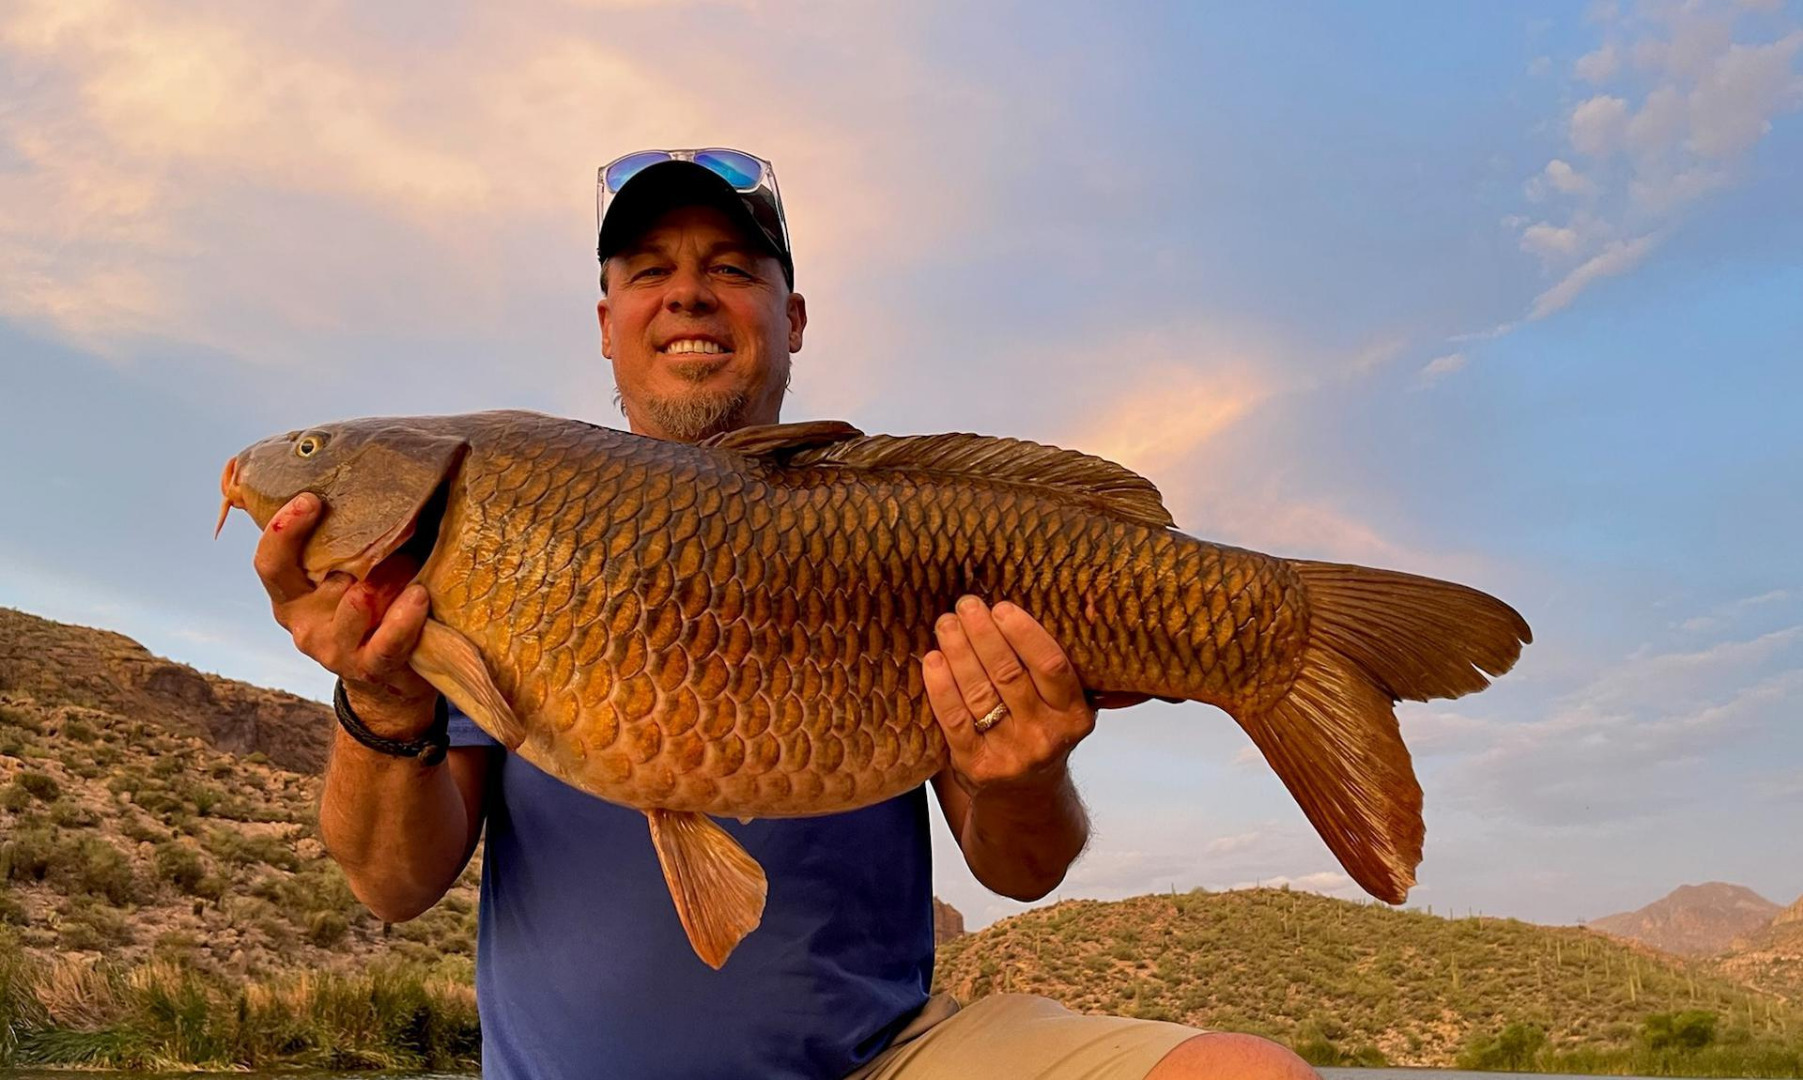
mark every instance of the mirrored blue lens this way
{"type": "Point", "coordinates": [630, 166]}
{"type": "Point", "coordinates": [742, 171]}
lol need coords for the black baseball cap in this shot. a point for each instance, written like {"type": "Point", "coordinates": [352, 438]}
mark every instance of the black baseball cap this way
{"type": "Point", "coordinates": [635, 190]}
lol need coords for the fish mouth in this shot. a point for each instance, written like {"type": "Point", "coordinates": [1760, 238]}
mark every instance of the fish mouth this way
{"type": "Point", "coordinates": [398, 553]}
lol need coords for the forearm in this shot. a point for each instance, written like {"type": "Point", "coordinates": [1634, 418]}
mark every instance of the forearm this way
{"type": "Point", "coordinates": [400, 830]}
{"type": "Point", "coordinates": [1020, 841]}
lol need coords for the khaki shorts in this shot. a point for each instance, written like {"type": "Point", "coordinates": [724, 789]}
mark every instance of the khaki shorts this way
{"type": "Point", "coordinates": [1011, 1036]}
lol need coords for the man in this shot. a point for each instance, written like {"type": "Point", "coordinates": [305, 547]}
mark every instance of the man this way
{"type": "Point", "coordinates": [583, 968]}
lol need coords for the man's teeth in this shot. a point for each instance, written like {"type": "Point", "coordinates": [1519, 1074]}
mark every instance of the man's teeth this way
{"type": "Point", "coordinates": [693, 345]}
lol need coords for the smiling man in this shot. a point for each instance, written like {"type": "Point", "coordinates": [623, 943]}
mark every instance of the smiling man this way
{"type": "Point", "coordinates": [583, 969]}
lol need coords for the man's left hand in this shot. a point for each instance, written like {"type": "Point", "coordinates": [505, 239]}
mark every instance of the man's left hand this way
{"type": "Point", "coordinates": [1002, 655]}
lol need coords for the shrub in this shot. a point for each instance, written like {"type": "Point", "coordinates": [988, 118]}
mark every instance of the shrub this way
{"type": "Point", "coordinates": [14, 798]}
{"type": "Point", "coordinates": [135, 828]}
{"type": "Point", "coordinates": [1691, 1029]}
{"type": "Point", "coordinates": [92, 927]}
{"type": "Point", "coordinates": [13, 716]}
{"type": "Point", "coordinates": [101, 870]}
{"type": "Point", "coordinates": [79, 730]}
{"type": "Point", "coordinates": [180, 865]}
{"type": "Point", "coordinates": [40, 785]}
{"type": "Point", "coordinates": [72, 815]}
{"type": "Point", "coordinates": [327, 928]}
{"type": "Point", "coordinates": [29, 855]}
{"type": "Point", "coordinates": [11, 911]}
{"type": "Point", "coordinates": [234, 847]}
{"type": "Point", "coordinates": [1514, 1049]}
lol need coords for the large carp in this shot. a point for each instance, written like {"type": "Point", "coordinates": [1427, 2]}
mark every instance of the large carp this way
{"type": "Point", "coordinates": [736, 628]}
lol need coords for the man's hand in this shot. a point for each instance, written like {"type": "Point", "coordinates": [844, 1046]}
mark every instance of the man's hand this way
{"type": "Point", "coordinates": [1003, 656]}
{"type": "Point", "coordinates": [332, 623]}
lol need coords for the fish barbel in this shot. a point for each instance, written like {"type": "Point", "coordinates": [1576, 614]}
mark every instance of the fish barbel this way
{"type": "Point", "coordinates": [736, 628]}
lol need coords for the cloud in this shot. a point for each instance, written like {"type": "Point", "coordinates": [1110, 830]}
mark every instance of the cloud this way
{"type": "Point", "coordinates": [1627, 745]}
{"type": "Point", "coordinates": [1560, 177]}
{"type": "Point", "coordinates": [1441, 366]}
{"type": "Point", "coordinates": [1739, 92]}
{"type": "Point", "coordinates": [237, 180]}
{"type": "Point", "coordinates": [1599, 66]}
{"type": "Point", "coordinates": [1550, 242]}
{"type": "Point", "coordinates": [1322, 881]}
{"type": "Point", "coordinates": [1171, 410]}
{"type": "Point", "coordinates": [1727, 613]}
{"type": "Point", "coordinates": [1617, 259]}
{"type": "Point", "coordinates": [1598, 124]}
{"type": "Point", "coordinates": [1227, 845]}
{"type": "Point", "coordinates": [1676, 679]}
{"type": "Point", "coordinates": [1672, 107]}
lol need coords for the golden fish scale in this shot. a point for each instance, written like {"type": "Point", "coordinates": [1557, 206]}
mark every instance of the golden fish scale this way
{"type": "Point", "coordinates": [693, 630]}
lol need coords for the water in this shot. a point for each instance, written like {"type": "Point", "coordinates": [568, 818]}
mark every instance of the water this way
{"type": "Point", "coordinates": [1331, 1074]}
{"type": "Point", "coordinates": [1456, 1074]}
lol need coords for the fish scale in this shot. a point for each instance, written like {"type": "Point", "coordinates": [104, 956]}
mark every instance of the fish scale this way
{"type": "Point", "coordinates": [835, 713]}
{"type": "Point", "coordinates": [737, 628]}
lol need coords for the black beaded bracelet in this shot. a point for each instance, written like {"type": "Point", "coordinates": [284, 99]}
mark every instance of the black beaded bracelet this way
{"type": "Point", "coordinates": [429, 748]}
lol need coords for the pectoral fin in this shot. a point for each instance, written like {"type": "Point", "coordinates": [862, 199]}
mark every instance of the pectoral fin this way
{"type": "Point", "coordinates": [450, 662]}
{"type": "Point", "coordinates": [718, 889]}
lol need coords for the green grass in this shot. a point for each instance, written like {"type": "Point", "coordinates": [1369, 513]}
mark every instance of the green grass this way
{"type": "Point", "coordinates": [160, 1015]}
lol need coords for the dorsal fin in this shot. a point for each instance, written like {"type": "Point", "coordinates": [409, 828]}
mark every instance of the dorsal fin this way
{"type": "Point", "coordinates": [1068, 474]}
{"type": "Point", "coordinates": [782, 440]}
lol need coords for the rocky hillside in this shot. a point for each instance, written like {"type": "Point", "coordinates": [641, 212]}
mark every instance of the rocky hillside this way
{"type": "Point", "coordinates": [1694, 920]}
{"type": "Point", "coordinates": [1345, 982]}
{"type": "Point", "coordinates": [119, 838]}
{"type": "Point", "coordinates": [149, 810]}
{"type": "Point", "coordinates": [54, 664]}
{"type": "Point", "coordinates": [1772, 956]}
{"type": "Point", "coordinates": [948, 922]}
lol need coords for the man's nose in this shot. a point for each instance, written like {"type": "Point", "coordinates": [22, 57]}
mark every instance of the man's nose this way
{"type": "Point", "coordinates": [689, 289]}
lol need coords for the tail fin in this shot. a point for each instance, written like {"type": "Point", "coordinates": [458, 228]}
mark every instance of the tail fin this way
{"type": "Point", "coordinates": [1375, 637]}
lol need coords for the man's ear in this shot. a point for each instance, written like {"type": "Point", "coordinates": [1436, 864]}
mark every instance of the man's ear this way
{"type": "Point", "coordinates": [798, 320]}
{"type": "Point", "coordinates": [607, 330]}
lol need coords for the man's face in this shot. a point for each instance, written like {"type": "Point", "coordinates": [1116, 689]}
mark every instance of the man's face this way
{"type": "Point", "coordinates": [699, 324]}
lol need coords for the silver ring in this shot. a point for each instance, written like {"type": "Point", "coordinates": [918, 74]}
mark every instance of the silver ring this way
{"type": "Point", "coordinates": [991, 718]}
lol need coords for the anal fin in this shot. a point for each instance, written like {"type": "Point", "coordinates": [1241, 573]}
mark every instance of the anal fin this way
{"type": "Point", "coordinates": [450, 662]}
{"type": "Point", "coordinates": [719, 890]}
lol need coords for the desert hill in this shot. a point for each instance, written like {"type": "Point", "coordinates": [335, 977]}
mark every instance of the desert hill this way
{"type": "Point", "coordinates": [1694, 920]}
{"type": "Point", "coordinates": [51, 664]}
{"type": "Point", "coordinates": [1772, 956]}
{"type": "Point", "coordinates": [1344, 981]}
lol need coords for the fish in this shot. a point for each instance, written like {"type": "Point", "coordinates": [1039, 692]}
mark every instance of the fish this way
{"type": "Point", "coordinates": [736, 628]}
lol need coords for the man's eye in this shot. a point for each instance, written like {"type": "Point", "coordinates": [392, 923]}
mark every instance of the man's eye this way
{"type": "Point", "coordinates": [734, 269]}
{"type": "Point", "coordinates": [648, 270]}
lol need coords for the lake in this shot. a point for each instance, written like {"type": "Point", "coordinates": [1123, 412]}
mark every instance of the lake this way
{"type": "Point", "coordinates": [1454, 1074]}
{"type": "Point", "coordinates": [1332, 1074]}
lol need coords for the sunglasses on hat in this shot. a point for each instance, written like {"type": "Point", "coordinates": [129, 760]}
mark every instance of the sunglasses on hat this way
{"type": "Point", "coordinates": [751, 176]}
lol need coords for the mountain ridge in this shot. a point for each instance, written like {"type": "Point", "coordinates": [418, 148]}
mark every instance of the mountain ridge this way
{"type": "Point", "coordinates": [1694, 920]}
{"type": "Point", "coordinates": [62, 664]}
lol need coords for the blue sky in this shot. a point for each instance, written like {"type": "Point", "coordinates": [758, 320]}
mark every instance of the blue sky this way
{"type": "Point", "coordinates": [1506, 293]}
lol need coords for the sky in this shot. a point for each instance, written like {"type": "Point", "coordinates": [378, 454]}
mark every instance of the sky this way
{"type": "Point", "coordinates": [1505, 293]}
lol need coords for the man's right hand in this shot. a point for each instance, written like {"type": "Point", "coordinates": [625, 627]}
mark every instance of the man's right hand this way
{"type": "Point", "coordinates": [361, 631]}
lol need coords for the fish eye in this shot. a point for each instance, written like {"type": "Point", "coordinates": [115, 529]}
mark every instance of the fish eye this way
{"type": "Point", "coordinates": [308, 445]}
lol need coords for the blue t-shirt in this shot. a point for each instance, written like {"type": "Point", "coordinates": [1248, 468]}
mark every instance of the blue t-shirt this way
{"type": "Point", "coordinates": [583, 970]}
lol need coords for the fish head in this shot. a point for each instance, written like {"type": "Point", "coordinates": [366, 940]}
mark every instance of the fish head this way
{"type": "Point", "coordinates": [380, 483]}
